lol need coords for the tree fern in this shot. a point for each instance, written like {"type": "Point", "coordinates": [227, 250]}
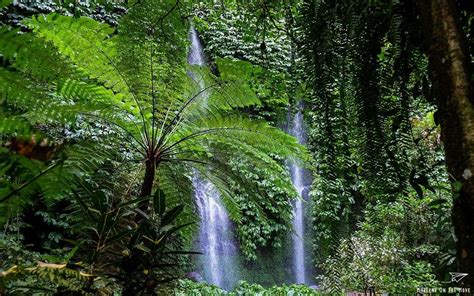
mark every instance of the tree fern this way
{"type": "Point", "coordinates": [143, 94]}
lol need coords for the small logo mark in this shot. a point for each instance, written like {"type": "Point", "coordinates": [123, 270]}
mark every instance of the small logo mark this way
{"type": "Point", "coordinates": [457, 276]}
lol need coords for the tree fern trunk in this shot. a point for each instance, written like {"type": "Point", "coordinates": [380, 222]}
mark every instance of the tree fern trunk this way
{"type": "Point", "coordinates": [449, 66]}
{"type": "Point", "coordinates": [149, 178]}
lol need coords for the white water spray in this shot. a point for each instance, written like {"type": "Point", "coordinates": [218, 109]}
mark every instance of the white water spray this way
{"type": "Point", "coordinates": [215, 238]}
{"type": "Point", "coordinates": [296, 128]}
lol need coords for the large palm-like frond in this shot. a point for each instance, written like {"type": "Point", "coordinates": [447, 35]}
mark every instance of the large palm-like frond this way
{"type": "Point", "coordinates": [41, 96]}
{"type": "Point", "coordinates": [129, 83]}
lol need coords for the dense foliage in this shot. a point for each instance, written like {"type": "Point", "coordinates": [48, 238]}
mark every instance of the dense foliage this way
{"type": "Point", "coordinates": [186, 287]}
{"type": "Point", "coordinates": [225, 36]}
{"type": "Point", "coordinates": [104, 125]}
{"type": "Point", "coordinates": [159, 117]}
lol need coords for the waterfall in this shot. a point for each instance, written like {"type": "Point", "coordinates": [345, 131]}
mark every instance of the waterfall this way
{"type": "Point", "coordinates": [195, 56]}
{"type": "Point", "coordinates": [296, 128]}
{"type": "Point", "coordinates": [215, 239]}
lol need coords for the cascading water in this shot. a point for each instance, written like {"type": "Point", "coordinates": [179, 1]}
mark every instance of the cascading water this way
{"type": "Point", "coordinates": [215, 240]}
{"type": "Point", "coordinates": [196, 56]}
{"type": "Point", "coordinates": [296, 128]}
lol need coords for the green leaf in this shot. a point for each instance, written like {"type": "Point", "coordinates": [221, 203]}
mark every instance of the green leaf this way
{"type": "Point", "coordinates": [159, 202]}
{"type": "Point", "coordinates": [169, 217]}
{"type": "Point", "coordinates": [437, 202]}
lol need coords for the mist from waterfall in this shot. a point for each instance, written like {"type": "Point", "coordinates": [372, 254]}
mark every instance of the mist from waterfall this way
{"type": "Point", "coordinates": [215, 240]}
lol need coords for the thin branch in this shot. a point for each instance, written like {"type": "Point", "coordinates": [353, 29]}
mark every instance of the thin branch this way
{"type": "Point", "coordinates": [153, 99]}
{"type": "Point", "coordinates": [190, 151]}
{"type": "Point", "coordinates": [180, 111]}
{"type": "Point", "coordinates": [119, 126]}
{"type": "Point", "coordinates": [163, 124]}
{"type": "Point", "coordinates": [207, 131]}
{"type": "Point", "coordinates": [130, 116]}
{"type": "Point", "coordinates": [284, 30]}
{"type": "Point", "coordinates": [162, 18]}
{"type": "Point", "coordinates": [185, 160]}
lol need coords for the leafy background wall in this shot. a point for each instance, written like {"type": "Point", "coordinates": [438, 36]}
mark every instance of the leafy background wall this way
{"type": "Point", "coordinates": [102, 129]}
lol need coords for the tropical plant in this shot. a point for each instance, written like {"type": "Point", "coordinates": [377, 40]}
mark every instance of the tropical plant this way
{"type": "Point", "coordinates": [165, 125]}
{"type": "Point", "coordinates": [15, 12]}
{"type": "Point", "coordinates": [390, 252]}
{"type": "Point", "coordinates": [141, 93]}
{"type": "Point", "coordinates": [232, 31]}
{"type": "Point", "coordinates": [139, 98]}
{"type": "Point", "coordinates": [111, 251]}
{"type": "Point", "coordinates": [187, 287]}
{"type": "Point", "coordinates": [369, 98]}
{"type": "Point", "coordinates": [101, 116]}
{"type": "Point", "coordinates": [25, 271]}
{"type": "Point", "coordinates": [59, 276]}
{"type": "Point", "coordinates": [141, 256]}
{"type": "Point", "coordinates": [447, 48]}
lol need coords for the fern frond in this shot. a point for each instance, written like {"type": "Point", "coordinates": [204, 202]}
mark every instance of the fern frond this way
{"type": "Point", "coordinates": [14, 126]}
{"type": "Point", "coordinates": [89, 44]}
{"type": "Point", "coordinates": [30, 55]}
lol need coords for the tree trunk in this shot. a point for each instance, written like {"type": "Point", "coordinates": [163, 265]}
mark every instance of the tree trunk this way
{"type": "Point", "coordinates": [449, 68]}
{"type": "Point", "coordinates": [147, 185]}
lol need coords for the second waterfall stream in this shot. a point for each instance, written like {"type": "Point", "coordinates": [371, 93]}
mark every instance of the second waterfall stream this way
{"type": "Point", "coordinates": [219, 263]}
{"type": "Point", "coordinates": [299, 178]}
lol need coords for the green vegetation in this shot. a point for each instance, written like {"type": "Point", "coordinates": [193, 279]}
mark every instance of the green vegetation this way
{"type": "Point", "coordinates": [186, 287]}
{"type": "Point", "coordinates": [104, 126]}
